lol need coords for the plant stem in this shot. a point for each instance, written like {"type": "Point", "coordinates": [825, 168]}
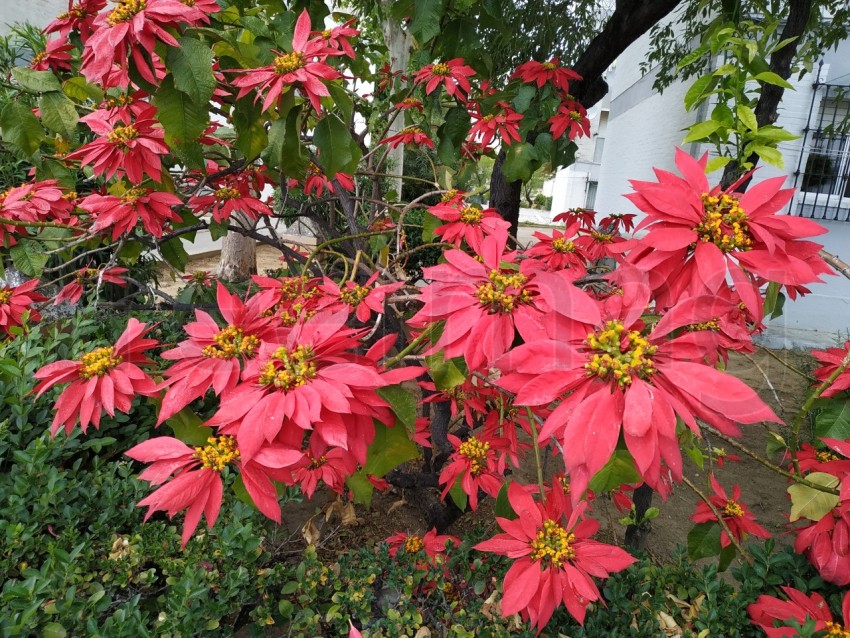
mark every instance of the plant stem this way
{"type": "Point", "coordinates": [14, 222]}
{"type": "Point", "coordinates": [410, 347]}
{"type": "Point", "coordinates": [533, 423]}
{"type": "Point", "coordinates": [740, 548]}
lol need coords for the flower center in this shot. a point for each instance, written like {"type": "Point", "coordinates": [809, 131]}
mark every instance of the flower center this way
{"type": "Point", "coordinates": [503, 292]}
{"type": "Point", "coordinates": [230, 342]}
{"type": "Point", "coordinates": [200, 277]}
{"type": "Point", "coordinates": [553, 544]}
{"type": "Point", "coordinates": [564, 482]}
{"type": "Point", "coordinates": [5, 295]}
{"type": "Point", "coordinates": [488, 118]}
{"type": "Point", "coordinates": [619, 354]}
{"type": "Point", "coordinates": [188, 3]}
{"type": "Point", "coordinates": [353, 296]}
{"type": "Point", "coordinates": [575, 116]}
{"type": "Point", "coordinates": [316, 461]}
{"type": "Point", "coordinates": [125, 11]}
{"type": "Point", "coordinates": [313, 169]}
{"type": "Point", "coordinates": [449, 195]}
{"type": "Point", "coordinates": [724, 223]}
{"type": "Point", "coordinates": [289, 369]}
{"type": "Point", "coordinates": [121, 135]}
{"type": "Point", "coordinates": [561, 245]}
{"type": "Point", "coordinates": [550, 66]}
{"type": "Point", "coordinates": [326, 34]}
{"type": "Point", "coordinates": [38, 57]}
{"type": "Point", "coordinates": [413, 544]}
{"type": "Point", "coordinates": [471, 215]}
{"type": "Point", "coordinates": [98, 362]}
{"type": "Point", "coordinates": [218, 454]}
{"type": "Point", "coordinates": [475, 451]}
{"type": "Point", "coordinates": [84, 275]}
{"type": "Point", "coordinates": [133, 195]}
{"type": "Point", "coordinates": [712, 324]}
{"type": "Point", "coordinates": [121, 100]}
{"type": "Point", "coordinates": [733, 509]}
{"type": "Point", "coordinates": [226, 192]}
{"type": "Point", "coordinates": [834, 630]}
{"type": "Point", "coordinates": [441, 68]}
{"type": "Point", "coordinates": [823, 456]}
{"type": "Point", "coordinates": [411, 130]}
{"type": "Point", "coordinates": [288, 63]}
{"type": "Point", "coordinates": [604, 238]}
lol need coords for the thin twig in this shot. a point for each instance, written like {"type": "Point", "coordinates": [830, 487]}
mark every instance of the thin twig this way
{"type": "Point", "coordinates": [743, 552]}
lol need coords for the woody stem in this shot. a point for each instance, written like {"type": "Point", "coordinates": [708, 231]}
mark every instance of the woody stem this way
{"type": "Point", "coordinates": [740, 548]}
{"type": "Point", "coordinates": [410, 347]}
{"type": "Point", "coordinates": [533, 423]}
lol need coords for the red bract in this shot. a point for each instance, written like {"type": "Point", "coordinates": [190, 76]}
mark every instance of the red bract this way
{"type": "Point", "coordinates": [453, 75]}
{"type": "Point", "coordinates": [410, 135]}
{"type": "Point", "coordinates": [555, 558]}
{"type": "Point", "coordinates": [431, 543]}
{"type": "Point", "coordinates": [55, 57]}
{"type": "Point", "coordinates": [504, 122]}
{"type": "Point", "coordinates": [534, 72]}
{"type": "Point", "coordinates": [87, 277]}
{"type": "Point", "coordinates": [197, 485]}
{"type": "Point", "coordinates": [467, 223]}
{"type": "Point", "coordinates": [774, 615]}
{"type": "Point", "coordinates": [476, 464]}
{"type": "Point", "coordinates": [571, 119]}
{"type": "Point", "coordinates": [355, 299]}
{"type": "Point", "coordinates": [152, 208]}
{"type": "Point", "coordinates": [17, 300]}
{"type": "Point", "coordinates": [337, 37]}
{"type": "Point", "coordinates": [321, 463]}
{"type": "Point", "coordinates": [483, 303]}
{"type": "Point", "coordinates": [200, 278]}
{"type": "Point", "coordinates": [583, 216]}
{"type": "Point", "coordinates": [612, 376]}
{"type": "Point", "coordinates": [230, 197]}
{"type": "Point", "coordinates": [737, 516]}
{"type": "Point", "coordinates": [106, 378]}
{"type": "Point", "coordinates": [830, 360]}
{"type": "Point", "coordinates": [80, 18]}
{"type": "Point", "coordinates": [304, 68]}
{"type": "Point", "coordinates": [826, 544]}
{"type": "Point", "coordinates": [559, 251]}
{"type": "Point", "coordinates": [696, 235]}
{"type": "Point", "coordinates": [33, 202]}
{"type": "Point", "coordinates": [316, 182]}
{"type": "Point", "coordinates": [212, 356]}
{"type": "Point", "coordinates": [133, 27]}
{"type": "Point", "coordinates": [124, 146]}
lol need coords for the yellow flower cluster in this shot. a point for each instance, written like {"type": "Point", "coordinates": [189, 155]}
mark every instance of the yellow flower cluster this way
{"type": "Point", "coordinates": [353, 296]}
{"type": "Point", "coordinates": [125, 11]}
{"type": "Point", "coordinates": [835, 630]}
{"type": "Point", "coordinates": [410, 130]}
{"type": "Point", "coordinates": [733, 509]}
{"type": "Point", "coordinates": [724, 223]}
{"type": "Point", "coordinates": [288, 63]}
{"type": "Point", "coordinates": [495, 294]}
{"type": "Point", "coordinates": [230, 342]}
{"type": "Point", "coordinates": [218, 454]}
{"type": "Point", "coordinates": [475, 451]}
{"type": "Point", "coordinates": [98, 362]}
{"type": "Point", "coordinates": [553, 544]}
{"type": "Point", "coordinates": [84, 274]}
{"type": "Point", "coordinates": [132, 195]}
{"type": "Point", "coordinates": [623, 354]}
{"type": "Point", "coordinates": [549, 66]}
{"type": "Point", "coordinates": [471, 215]}
{"type": "Point", "coordinates": [5, 295]}
{"type": "Point", "coordinates": [226, 192]}
{"type": "Point", "coordinates": [413, 544]}
{"type": "Point", "coordinates": [561, 245]}
{"type": "Point", "coordinates": [441, 68]}
{"type": "Point", "coordinates": [450, 194]}
{"type": "Point", "coordinates": [297, 369]}
{"type": "Point", "coordinates": [826, 457]}
{"type": "Point", "coordinates": [712, 324]}
{"type": "Point", "coordinates": [122, 134]}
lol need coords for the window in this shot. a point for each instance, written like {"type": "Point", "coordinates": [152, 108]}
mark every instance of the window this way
{"type": "Point", "coordinates": [590, 199]}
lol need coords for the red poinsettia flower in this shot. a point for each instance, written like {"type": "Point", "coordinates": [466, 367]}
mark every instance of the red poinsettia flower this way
{"type": "Point", "coordinates": [325, 464]}
{"type": "Point", "coordinates": [697, 235]}
{"type": "Point", "coordinates": [87, 277]}
{"type": "Point", "coordinates": [316, 182]}
{"type": "Point", "coordinates": [17, 300]}
{"type": "Point", "coordinates": [504, 122]}
{"type": "Point", "coordinates": [337, 37]}
{"type": "Point", "coordinates": [129, 105]}
{"type": "Point", "coordinates": [737, 516]}
{"type": "Point", "coordinates": [232, 194]}
{"type": "Point", "coordinates": [598, 244]}
{"type": "Point", "coordinates": [453, 75]}
{"type": "Point", "coordinates": [467, 223]}
{"type": "Point", "coordinates": [35, 201]}
{"type": "Point", "coordinates": [774, 615]}
{"type": "Point", "coordinates": [431, 543]}
{"type": "Point", "coordinates": [133, 27]}
{"type": "Point", "coordinates": [830, 360]}
{"type": "Point", "coordinates": [835, 459]}
{"type": "Point", "coordinates": [360, 300]}
{"type": "Point", "coordinates": [212, 356]}
{"type": "Point", "coordinates": [477, 465]}
{"type": "Point", "coordinates": [469, 398]}
{"type": "Point", "coordinates": [79, 17]}
{"type": "Point", "coordinates": [200, 278]}
{"type": "Point", "coordinates": [55, 57]}
{"type": "Point", "coordinates": [559, 251]}
{"type": "Point", "coordinates": [534, 72]}
{"type": "Point", "coordinates": [613, 376]}
{"type": "Point", "coordinates": [571, 119]}
{"type": "Point", "coordinates": [305, 68]}
{"type": "Point", "coordinates": [197, 485]}
{"type": "Point", "coordinates": [106, 378]}
{"type": "Point", "coordinates": [555, 558]}
{"type": "Point", "coordinates": [125, 146]}
{"type": "Point", "coordinates": [409, 103]}
{"type": "Point", "coordinates": [584, 216]}
{"type": "Point", "coordinates": [154, 209]}
{"type": "Point", "coordinates": [618, 222]}
{"type": "Point", "coordinates": [386, 75]}
{"type": "Point", "coordinates": [826, 543]}
{"type": "Point", "coordinates": [409, 135]}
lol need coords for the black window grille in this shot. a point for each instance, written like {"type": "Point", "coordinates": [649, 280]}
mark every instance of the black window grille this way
{"type": "Point", "coordinates": [822, 177]}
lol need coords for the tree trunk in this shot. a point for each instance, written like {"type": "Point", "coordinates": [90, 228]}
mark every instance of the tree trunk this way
{"type": "Point", "coordinates": [399, 43]}
{"type": "Point", "coordinates": [505, 196]}
{"type": "Point", "coordinates": [238, 259]}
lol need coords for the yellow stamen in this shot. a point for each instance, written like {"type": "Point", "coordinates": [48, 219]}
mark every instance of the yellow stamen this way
{"type": "Point", "coordinates": [724, 223]}
{"type": "Point", "coordinates": [231, 342]}
{"type": "Point", "coordinates": [227, 192]}
{"type": "Point", "coordinates": [121, 135]}
{"type": "Point", "coordinates": [619, 355]}
{"type": "Point", "coordinates": [471, 215]}
{"type": "Point", "coordinates": [835, 630]}
{"type": "Point", "coordinates": [733, 509]}
{"type": "Point", "coordinates": [288, 62]}
{"type": "Point", "coordinates": [289, 369]}
{"type": "Point", "coordinates": [98, 362]}
{"type": "Point", "coordinates": [550, 66]}
{"type": "Point", "coordinates": [449, 195]}
{"type": "Point", "coordinates": [5, 295]}
{"type": "Point", "coordinates": [125, 11]}
{"type": "Point", "coordinates": [475, 451]}
{"type": "Point", "coordinates": [218, 454]}
{"type": "Point", "coordinates": [441, 68]}
{"type": "Point", "coordinates": [503, 292]}
{"type": "Point", "coordinates": [561, 245]}
{"type": "Point", "coordinates": [413, 544]}
{"type": "Point", "coordinates": [353, 296]}
{"type": "Point", "coordinates": [553, 544]}
{"type": "Point", "coordinates": [133, 195]}
{"type": "Point", "coordinates": [823, 456]}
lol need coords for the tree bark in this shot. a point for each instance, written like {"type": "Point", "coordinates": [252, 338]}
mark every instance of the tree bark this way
{"type": "Point", "coordinates": [238, 259]}
{"type": "Point", "coordinates": [799, 14]}
{"type": "Point", "coordinates": [399, 43]}
{"type": "Point", "coordinates": [629, 21]}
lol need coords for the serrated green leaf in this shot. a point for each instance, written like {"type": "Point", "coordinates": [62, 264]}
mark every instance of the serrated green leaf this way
{"type": "Point", "coordinates": [191, 65]}
{"type": "Point", "coordinates": [701, 130]}
{"type": "Point", "coordinates": [619, 469]}
{"type": "Point", "coordinates": [59, 114]}
{"type": "Point", "coordinates": [390, 448]}
{"type": "Point", "coordinates": [704, 540]}
{"type": "Point", "coordinates": [502, 506]}
{"type": "Point", "coordinates": [807, 502]}
{"type": "Point", "coordinates": [338, 151]}
{"type": "Point", "coordinates": [38, 81]}
{"type": "Point", "coordinates": [29, 257]}
{"type": "Point", "coordinates": [182, 118]}
{"type": "Point", "coordinates": [426, 20]}
{"type": "Point", "coordinates": [747, 117]}
{"type": "Point", "coordinates": [20, 128]}
{"type": "Point", "coordinates": [769, 77]}
{"type": "Point", "coordinates": [525, 94]}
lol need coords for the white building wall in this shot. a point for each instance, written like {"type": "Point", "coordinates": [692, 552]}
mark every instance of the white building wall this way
{"type": "Point", "coordinates": [37, 12]}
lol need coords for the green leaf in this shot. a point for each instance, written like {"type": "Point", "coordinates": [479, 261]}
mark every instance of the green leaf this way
{"type": "Point", "coordinates": [769, 77]}
{"type": "Point", "coordinates": [285, 150]}
{"type": "Point", "coordinates": [457, 494]}
{"type": "Point", "coordinates": [519, 162]}
{"type": "Point", "coordinates": [130, 252]}
{"type": "Point", "coordinates": [523, 98]}
{"type": "Point", "coordinates": [188, 427]}
{"type": "Point", "coordinates": [53, 630]}
{"type": "Point", "coordinates": [426, 20]}
{"type": "Point", "coordinates": [772, 133]}
{"type": "Point", "coordinates": [747, 117]}
{"type": "Point", "coordinates": [769, 155]}
{"type": "Point", "coordinates": [182, 118]}
{"type": "Point", "coordinates": [29, 257]}
{"type": "Point", "coordinates": [704, 540]}
{"type": "Point", "coordinates": [342, 100]}
{"type": "Point", "coordinates": [446, 374]}
{"type": "Point", "coordinates": [770, 297]}
{"type": "Point", "coordinates": [430, 223]}
{"type": "Point", "coordinates": [619, 469]}
{"type": "Point", "coordinates": [37, 81]}
{"type": "Point", "coordinates": [727, 555]}
{"type": "Point", "coordinates": [833, 421]}
{"type": "Point", "coordinates": [698, 89]}
{"type": "Point", "coordinates": [502, 506]}
{"type": "Point", "coordinates": [175, 253]}
{"type": "Point", "coordinates": [59, 114]}
{"type": "Point", "coordinates": [692, 57]}
{"type": "Point", "coordinates": [191, 65]}
{"type": "Point", "coordinates": [807, 502]}
{"type": "Point", "coordinates": [390, 448]}
{"type": "Point", "coordinates": [701, 130]}
{"type": "Point", "coordinates": [452, 134]}
{"type": "Point", "coordinates": [716, 162]}
{"type": "Point", "coordinates": [338, 152]}
{"type": "Point", "coordinates": [402, 403]}
{"type": "Point", "coordinates": [20, 128]}
{"type": "Point", "coordinates": [725, 69]}
{"type": "Point", "coordinates": [78, 89]}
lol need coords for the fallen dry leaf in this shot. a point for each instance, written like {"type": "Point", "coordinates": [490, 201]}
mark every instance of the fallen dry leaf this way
{"type": "Point", "coordinates": [310, 531]}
